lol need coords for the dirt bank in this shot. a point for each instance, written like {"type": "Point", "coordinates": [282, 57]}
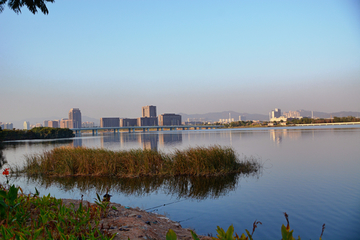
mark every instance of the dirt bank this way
{"type": "Point", "coordinates": [135, 223]}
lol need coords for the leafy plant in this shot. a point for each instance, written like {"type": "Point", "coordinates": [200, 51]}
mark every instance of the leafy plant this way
{"type": "Point", "coordinates": [33, 217]}
{"type": "Point", "coordinates": [229, 234]}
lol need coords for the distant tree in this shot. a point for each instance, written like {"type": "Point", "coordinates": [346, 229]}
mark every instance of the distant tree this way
{"type": "Point", "coordinates": [32, 5]}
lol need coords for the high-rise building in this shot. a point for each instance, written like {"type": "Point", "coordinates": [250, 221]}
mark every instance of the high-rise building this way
{"type": "Point", "coordinates": [292, 114]}
{"type": "Point", "coordinates": [75, 116]}
{"type": "Point", "coordinates": [46, 123]}
{"type": "Point", "coordinates": [275, 113]}
{"type": "Point", "coordinates": [8, 126]}
{"type": "Point", "coordinates": [168, 119]}
{"type": "Point", "coordinates": [26, 125]}
{"type": "Point", "coordinates": [110, 122]}
{"type": "Point", "coordinates": [149, 111]}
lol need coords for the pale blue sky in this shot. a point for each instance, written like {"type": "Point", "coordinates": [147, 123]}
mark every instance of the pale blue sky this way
{"type": "Point", "coordinates": [110, 59]}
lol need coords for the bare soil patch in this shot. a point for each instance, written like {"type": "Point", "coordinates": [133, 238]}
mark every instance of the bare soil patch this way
{"type": "Point", "coordinates": [135, 223]}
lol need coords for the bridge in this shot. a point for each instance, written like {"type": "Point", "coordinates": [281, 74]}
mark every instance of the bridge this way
{"type": "Point", "coordinates": [95, 130]}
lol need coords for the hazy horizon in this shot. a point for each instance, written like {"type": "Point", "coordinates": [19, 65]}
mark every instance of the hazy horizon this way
{"type": "Point", "coordinates": [111, 59]}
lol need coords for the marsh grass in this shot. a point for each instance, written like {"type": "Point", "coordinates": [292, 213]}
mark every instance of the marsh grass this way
{"type": "Point", "coordinates": [80, 161]}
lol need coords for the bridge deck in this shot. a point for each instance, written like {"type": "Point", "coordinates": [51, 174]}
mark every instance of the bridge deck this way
{"type": "Point", "coordinates": [147, 128]}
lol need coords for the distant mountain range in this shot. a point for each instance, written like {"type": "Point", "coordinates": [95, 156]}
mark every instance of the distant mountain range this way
{"type": "Point", "coordinates": [212, 117]}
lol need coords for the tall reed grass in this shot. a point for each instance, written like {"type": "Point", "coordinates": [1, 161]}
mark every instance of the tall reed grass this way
{"type": "Point", "coordinates": [70, 161]}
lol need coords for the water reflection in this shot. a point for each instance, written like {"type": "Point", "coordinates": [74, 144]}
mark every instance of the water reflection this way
{"type": "Point", "coordinates": [277, 135]}
{"type": "Point", "coordinates": [2, 158]}
{"type": "Point", "coordinates": [192, 187]}
{"type": "Point", "coordinates": [77, 142]}
{"type": "Point", "coordinates": [149, 141]}
{"type": "Point", "coordinates": [43, 143]}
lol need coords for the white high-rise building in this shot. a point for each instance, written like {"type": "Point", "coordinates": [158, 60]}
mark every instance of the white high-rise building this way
{"type": "Point", "coordinates": [27, 125]}
{"type": "Point", "coordinates": [275, 113]}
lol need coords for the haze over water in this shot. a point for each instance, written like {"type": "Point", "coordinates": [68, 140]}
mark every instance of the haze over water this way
{"type": "Point", "coordinates": [110, 59]}
{"type": "Point", "coordinates": [312, 174]}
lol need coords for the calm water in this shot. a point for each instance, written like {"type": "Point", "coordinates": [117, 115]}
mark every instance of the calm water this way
{"type": "Point", "coordinates": [312, 174]}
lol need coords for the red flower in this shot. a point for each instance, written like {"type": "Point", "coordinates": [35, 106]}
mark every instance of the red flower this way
{"type": "Point", "coordinates": [6, 172]}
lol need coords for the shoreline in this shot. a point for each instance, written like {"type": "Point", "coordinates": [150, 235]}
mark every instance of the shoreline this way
{"type": "Point", "coordinates": [135, 223]}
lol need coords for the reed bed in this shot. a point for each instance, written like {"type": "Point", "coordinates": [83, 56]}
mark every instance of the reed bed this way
{"type": "Point", "coordinates": [81, 161]}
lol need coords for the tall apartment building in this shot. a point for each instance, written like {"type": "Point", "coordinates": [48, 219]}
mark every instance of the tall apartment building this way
{"type": "Point", "coordinates": [110, 122]}
{"type": "Point", "coordinates": [128, 122]}
{"type": "Point", "coordinates": [26, 125]}
{"type": "Point", "coordinates": [8, 126]}
{"type": "Point", "coordinates": [46, 123]}
{"type": "Point", "coordinates": [148, 116]}
{"type": "Point", "coordinates": [275, 113]}
{"type": "Point", "coordinates": [75, 116]}
{"type": "Point", "coordinates": [149, 111]}
{"type": "Point", "coordinates": [168, 119]}
{"type": "Point", "coordinates": [292, 114]}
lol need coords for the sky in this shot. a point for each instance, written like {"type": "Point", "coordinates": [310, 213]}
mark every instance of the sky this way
{"type": "Point", "coordinates": [110, 58]}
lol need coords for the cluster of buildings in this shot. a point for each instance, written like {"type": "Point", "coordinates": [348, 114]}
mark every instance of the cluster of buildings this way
{"type": "Point", "coordinates": [6, 126]}
{"type": "Point", "coordinates": [276, 116]}
{"type": "Point", "coordinates": [230, 119]}
{"type": "Point", "coordinates": [148, 118]}
{"type": "Point", "coordinates": [74, 121]}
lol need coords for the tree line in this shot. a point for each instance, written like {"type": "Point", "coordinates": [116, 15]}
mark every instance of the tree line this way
{"type": "Point", "coordinates": [35, 133]}
{"type": "Point", "coordinates": [325, 120]}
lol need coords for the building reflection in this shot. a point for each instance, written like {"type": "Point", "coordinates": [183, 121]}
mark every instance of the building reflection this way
{"type": "Point", "coordinates": [277, 135]}
{"type": "Point", "coordinates": [170, 138]}
{"type": "Point", "coordinates": [77, 142]}
{"type": "Point", "coordinates": [150, 141]}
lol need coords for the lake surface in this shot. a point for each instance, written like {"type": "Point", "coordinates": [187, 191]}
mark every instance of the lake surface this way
{"type": "Point", "coordinates": [313, 174]}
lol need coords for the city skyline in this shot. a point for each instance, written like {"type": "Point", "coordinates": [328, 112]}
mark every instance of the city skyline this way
{"type": "Point", "coordinates": [56, 120]}
{"type": "Point", "coordinates": [184, 57]}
